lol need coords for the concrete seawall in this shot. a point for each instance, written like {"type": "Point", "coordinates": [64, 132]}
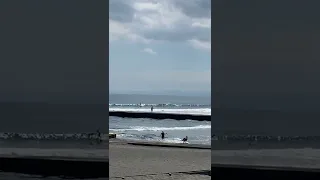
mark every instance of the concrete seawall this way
{"type": "Point", "coordinates": [58, 166]}
{"type": "Point", "coordinates": [153, 115]}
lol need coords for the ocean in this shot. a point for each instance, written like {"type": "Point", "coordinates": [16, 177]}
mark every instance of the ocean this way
{"type": "Point", "coordinates": [145, 129]}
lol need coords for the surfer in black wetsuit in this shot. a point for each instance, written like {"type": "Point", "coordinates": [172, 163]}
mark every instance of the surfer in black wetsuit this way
{"type": "Point", "coordinates": [151, 108]}
{"type": "Point", "coordinates": [162, 135]}
{"type": "Point", "coordinates": [184, 140]}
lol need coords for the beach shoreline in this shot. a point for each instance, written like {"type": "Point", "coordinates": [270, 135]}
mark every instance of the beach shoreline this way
{"type": "Point", "coordinates": [157, 144]}
{"type": "Point", "coordinates": [152, 162]}
{"type": "Point", "coordinates": [156, 161]}
{"type": "Point", "coordinates": [259, 154]}
{"type": "Point", "coordinates": [228, 144]}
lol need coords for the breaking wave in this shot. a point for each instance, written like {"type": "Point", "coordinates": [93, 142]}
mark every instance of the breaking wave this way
{"type": "Point", "coordinates": [169, 105]}
{"type": "Point", "coordinates": [143, 128]}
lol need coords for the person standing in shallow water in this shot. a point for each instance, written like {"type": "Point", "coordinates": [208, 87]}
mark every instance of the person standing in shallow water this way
{"type": "Point", "coordinates": [151, 108]}
{"type": "Point", "coordinates": [162, 135]}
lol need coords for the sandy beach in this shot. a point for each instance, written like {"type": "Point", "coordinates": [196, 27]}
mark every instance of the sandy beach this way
{"type": "Point", "coordinates": [147, 162]}
{"type": "Point", "coordinates": [173, 176]}
{"type": "Point", "coordinates": [139, 162]}
{"type": "Point", "coordinates": [154, 162]}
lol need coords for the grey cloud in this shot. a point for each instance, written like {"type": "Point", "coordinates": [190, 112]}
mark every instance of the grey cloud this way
{"type": "Point", "coordinates": [177, 35]}
{"type": "Point", "coordinates": [120, 10]}
{"type": "Point", "coordinates": [195, 8]}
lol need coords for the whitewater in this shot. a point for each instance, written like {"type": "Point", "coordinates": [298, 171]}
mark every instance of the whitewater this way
{"type": "Point", "coordinates": [195, 109]}
{"type": "Point", "coordinates": [145, 129]}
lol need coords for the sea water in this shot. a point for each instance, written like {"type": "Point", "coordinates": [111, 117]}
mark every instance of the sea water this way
{"type": "Point", "coordinates": [146, 129]}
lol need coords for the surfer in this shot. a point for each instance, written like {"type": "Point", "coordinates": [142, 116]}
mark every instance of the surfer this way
{"type": "Point", "coordinates": [184, 140]}
{"type": "Point", "coordinates": [162, 135]}
{"type": "Point", "coordinates": [151, 108]}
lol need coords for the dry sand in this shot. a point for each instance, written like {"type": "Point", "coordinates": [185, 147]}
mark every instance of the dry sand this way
{"type": "Point", "coordinates": [175, 176]}
{"type": "Point", "coordinates": [140, 162]}
{"type": "Point", "coordinates": [155, 162]}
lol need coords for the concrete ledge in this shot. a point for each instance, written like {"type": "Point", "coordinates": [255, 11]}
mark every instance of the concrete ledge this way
{"type": "Point", "coordinates": [56, 166]}
{"type": "Point", "coordinates": [160, 115]}
{"type": "Point", "coordinates": [223, 171]}
{"type": "Point", "coordinates": [170, 145]}
{"type": "Point", "coordinates": [112, 135]}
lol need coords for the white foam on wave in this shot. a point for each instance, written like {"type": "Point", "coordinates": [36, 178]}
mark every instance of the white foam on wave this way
{"type": "Point", "coordinates": [144, 128]}
{"type": "Point", "coordinates": [193, 111]}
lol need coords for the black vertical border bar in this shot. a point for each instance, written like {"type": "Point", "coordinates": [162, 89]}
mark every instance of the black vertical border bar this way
{"type": "Point", "coordinates": [19, 43]}
{"type": "Point", "coordinates": [214, 70]}
{"type": "Point", "coordinates": [107, 75]}
{"type": "Point", "coordinates": [107, 59]}
{"type": "Point", "coordinates": [277, 44]}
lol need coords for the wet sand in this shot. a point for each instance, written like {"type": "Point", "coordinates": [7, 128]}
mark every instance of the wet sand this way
{"type": "Point", "coordinates": [151, 162]}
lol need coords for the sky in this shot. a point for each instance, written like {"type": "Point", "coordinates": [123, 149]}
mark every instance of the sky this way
{"type": "Point", "coordinates": [160, 46]}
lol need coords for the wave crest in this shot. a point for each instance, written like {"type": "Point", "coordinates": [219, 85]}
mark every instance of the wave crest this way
{"type": "Point", "coordinates": [159, 105]}
{"type": "Point", "coordinates": [143, 128]}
